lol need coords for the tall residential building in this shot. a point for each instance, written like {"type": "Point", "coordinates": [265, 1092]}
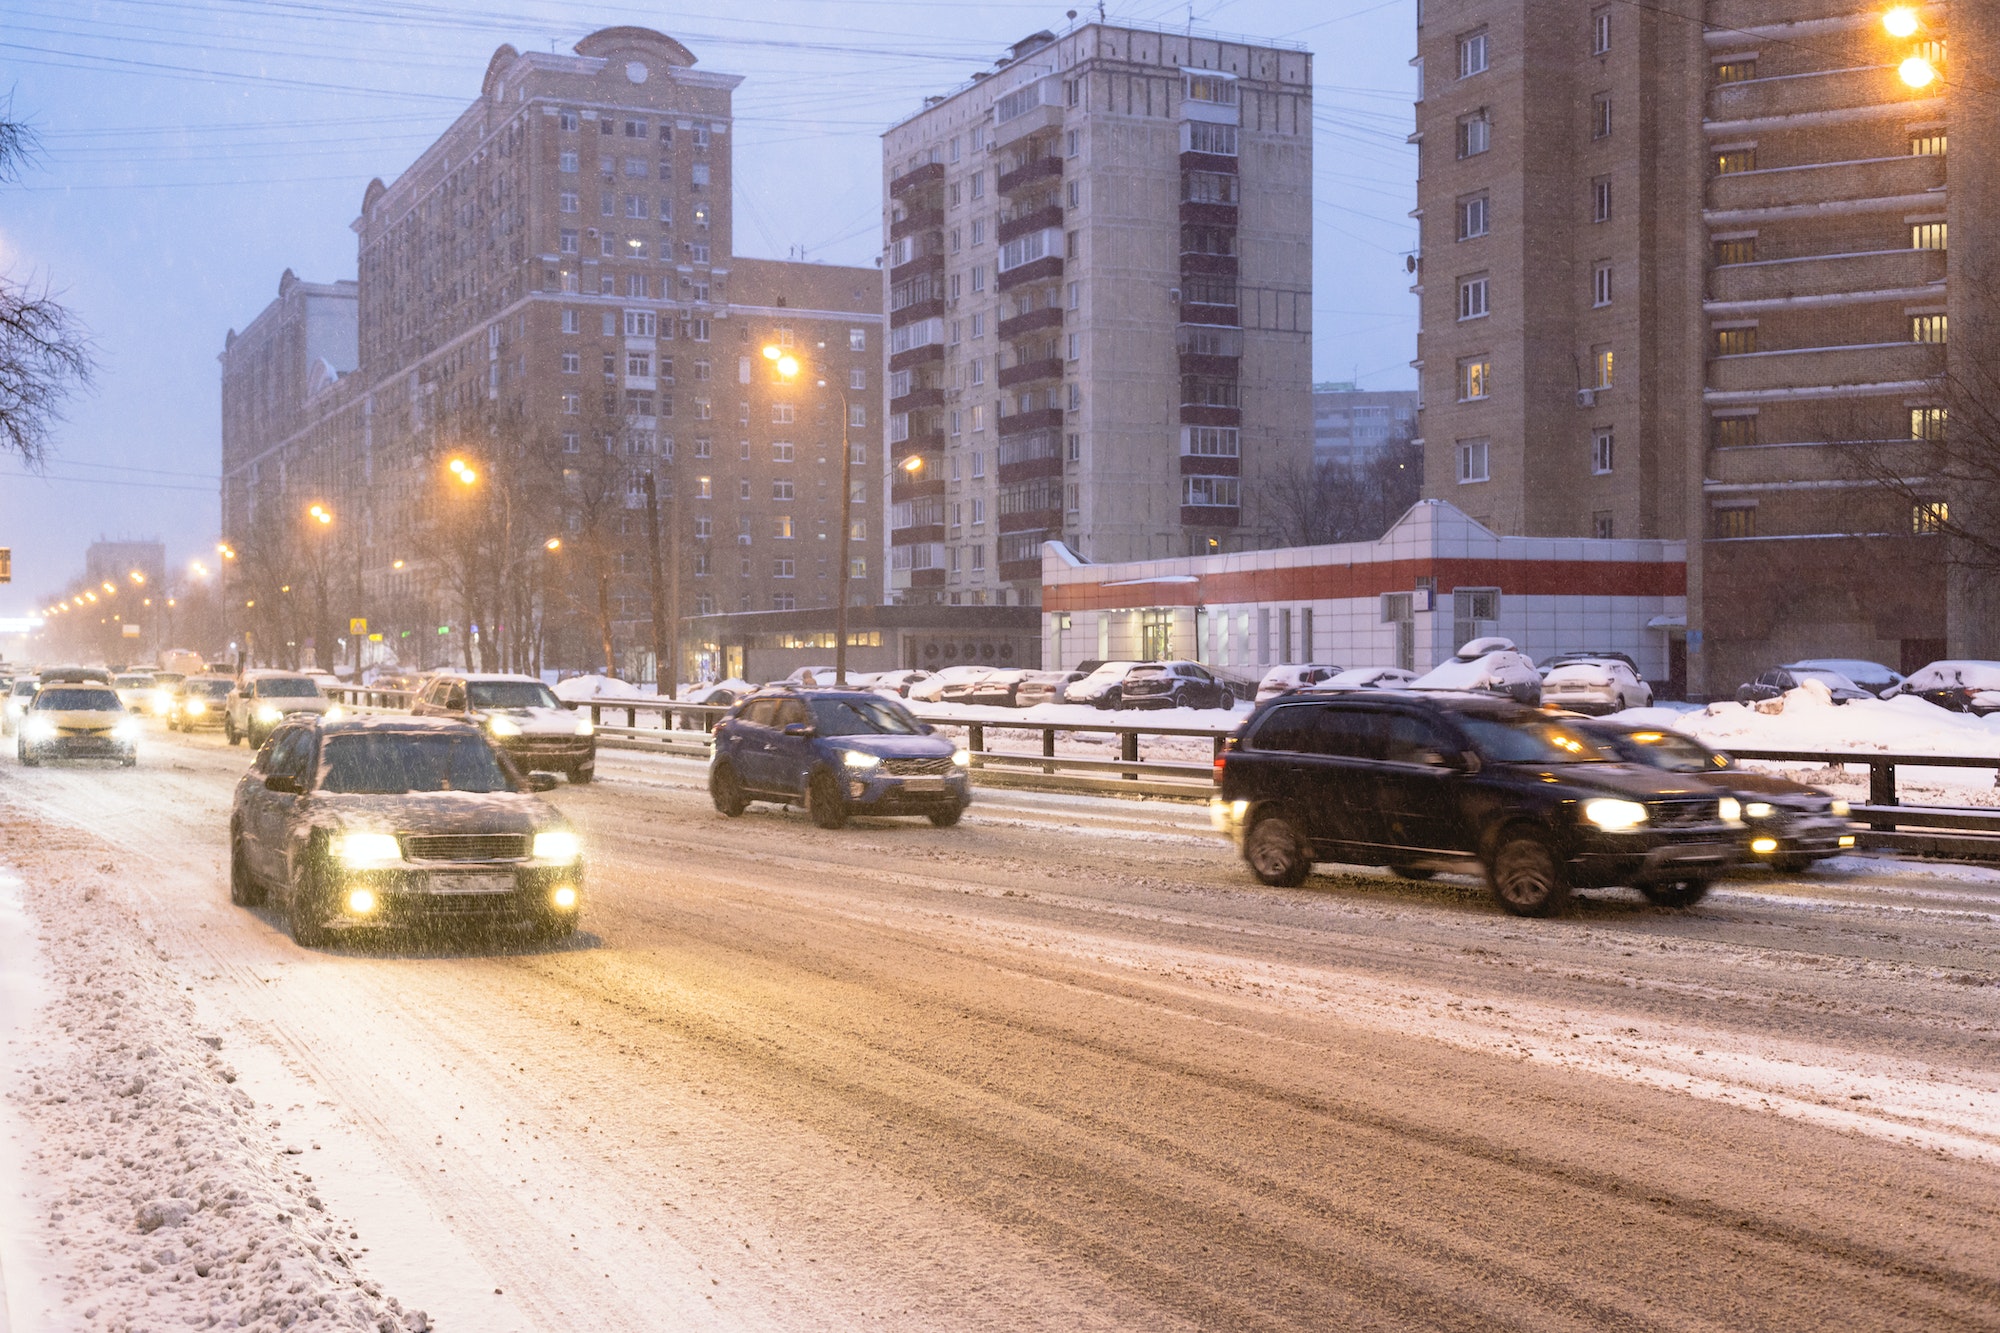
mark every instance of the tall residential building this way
{"type": "Point", "coordinates": [1099, 295]}
{"type": "Point", "coordinates": [1350, 423]}
{"type": "Point", "coordinates": [1685, 274]}
{"type": "Point", "coordinates": [550, 292]}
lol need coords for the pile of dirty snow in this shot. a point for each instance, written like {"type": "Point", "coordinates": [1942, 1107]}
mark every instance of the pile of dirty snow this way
{"type": "Point", "coordinates": [586, 689]}
{"type": "Point", "coordinates": [1807, 719]}
{"type": "Point", "coordinates": [164, 1197]}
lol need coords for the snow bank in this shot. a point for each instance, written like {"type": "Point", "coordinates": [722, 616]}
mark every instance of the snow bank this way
{"type": "Point", "coordinates": [1804, 719]}
{"type": "Point", "coordinates": [1084, 715]}
{"type": "Point", "coordinates": [583, 689]}
{"type": "Point", "coordinates": [165, 1199]}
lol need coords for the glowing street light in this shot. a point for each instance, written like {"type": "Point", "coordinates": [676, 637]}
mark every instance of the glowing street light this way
{"type": "Point", "coordinates": [1901, 21]}
{"type": "Point", "coordinates": [138, 579]}
{"type": "Point", "coordinates": [913, 464]}
{"type": "Point", "coordinates": [1918, 72]}
{"type": "Point", "coordinates": [110, 588]}
{"type": "Point", "coordinates": [552, 544]}
{"type": "Point", "coordinates": [322, 513]}
{"type": "Point", "coordinates": [225, 550]}
{"type": "Point", "coordinates": [395, 564]}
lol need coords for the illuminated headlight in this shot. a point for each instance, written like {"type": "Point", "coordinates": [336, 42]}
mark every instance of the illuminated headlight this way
{"type": "Point", "coordinates": [1729, 810]}
{"type": "Point", "coordinates": [860, 759]}
{"type": "Point", "coordinates": [333, 713]}
{"type": "Point", "coordinates": [361, 902]}
{"type": "Point", "coordinates": [359, 851]}
{"type": "Point", "coordinates": [1842, 808]}
{"type": "Point", "coordinates": [558, 845]}
{"type": "Point", "coordinates": [39, 729]}
{"type": "Point", "coordinates": [1763, 846]}
{"type": "Point", "coordinates": [268, 715]}
{"type": "Point", "coordinates": [1847, 840]}
{"type": "Point", "coordinates": [161, 707]}
{"type": "Point", "coordinates": [564, 898]}
{"type": "Point", "coordinates": [502, 726]}
{"type": "Point", "coordinates": [14, 708]}
{"type": "Point", "coordinates": [1614, 816]}
{"type": "Point", "coordinates": [963, 758]}
{"type": "Point", "coordinates": [1757, 810]}
{"type": "Point", "coordinates": [1238, 809]}
{"type": "Point", "coordinates": [195, 708]}
{"type": "Point", "coordinates": [585, 727]}
{"type": "Point", "coordinates": [128, 730]}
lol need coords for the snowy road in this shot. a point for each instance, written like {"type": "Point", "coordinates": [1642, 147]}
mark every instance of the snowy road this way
{"type": "Point", "coordinates": [1067, 1066]}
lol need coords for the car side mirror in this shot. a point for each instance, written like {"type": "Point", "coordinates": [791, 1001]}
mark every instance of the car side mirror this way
{"type": "Point", "coordinates": [929, 730]}
{"type": "Point", "coordinates": [1465, 761]}
{"type": "Point", "coordinates": [285, 784]}
{"type": "Point", "coordinates": [544, 781]}
{"type": "Point", "coordinates": [799, 729]}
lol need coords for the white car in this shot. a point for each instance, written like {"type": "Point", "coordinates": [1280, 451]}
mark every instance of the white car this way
{"type": "Point", "coordinates": [1487, 666]}
{"type": "Point", "coordinates": [1297, 677]}
{"type": "Point", "coordinates": [521, 715]}
{"type": "Point", "coordinates": [718, 692]}
{"type": "Point", "coordinates": [931, 689]}
{"type": "Point", "coordinates": [893, 684]}
{"type": "Point", "coordinates": [1102, 688]}
{"type": "Point", "coordinates": [1963, 685]}
{"type": "Point", "coordinates": [1368, 678]}
{"type": "Point", "coordinates": [1603, 686]}
{"type": "Point", "coordinates": [1873, 677]}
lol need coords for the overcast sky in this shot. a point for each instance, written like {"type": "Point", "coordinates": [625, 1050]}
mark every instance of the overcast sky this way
{"type": "Point", "coordinates": [195, 149]}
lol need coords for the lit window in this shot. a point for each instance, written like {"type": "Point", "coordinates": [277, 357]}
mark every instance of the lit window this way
{"type": "Point", "coordinates": [1736, 250]}
{"type": "Point", "coordinates": [1927, 328]}
{"type": "Point", "coordinates": [1475, 378]}
{"type": "Point", "coordinates": [1929, 517]}
{"type": "Point", "coordinates": [1735, 342]}
{"type": "Point", "coordinates": [1734, 522]}
{"type": "Point", "coordinates": [1927, 145]}
{"type": "Point", "coordinates": [1927, 423]}
{"type": "Point", "coordinates": [1927, 236]}
{"type": "Point", "coordinates": [1601, 360]}
{"type": "Point", "coordinates": [1735, 160]}
{"type": "Point", "coordinates": [1736, 71]}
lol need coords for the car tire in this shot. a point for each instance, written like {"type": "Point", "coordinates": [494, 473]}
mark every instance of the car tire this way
{"type": "Point", "coordinates": [1524, 874]}
{"type": "Point", "coordinates": [1677, 893]}
{"type": "Point", "coordinates": [244, 891]}
{"type": "Point", "coordinates": [131, 761]}
{"type": "Point", "coordinates": [1276, 854]}
{"type": "Point", "coordinates": [825, 802]}
{"type": "Point", "coordinates": [305, 912]}
{"type": "Point", "coordinates": [726, 790]}
{"type": "Point", "coordinates": [584, 774]}
{"type": "Point", "coordinates": [1412, 872]}
{"type": "Point", "coordinates": [948, 816]}
{"type": "Point", "coordinates": [229, 731]}
{"type": "Point", "coordinates": [27, 756]}
{"type": "Point", "coordinates": [1111, 698]}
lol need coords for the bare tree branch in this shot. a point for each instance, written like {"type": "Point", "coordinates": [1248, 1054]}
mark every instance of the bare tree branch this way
{"type": "Point", "coordinates": [44, 352]}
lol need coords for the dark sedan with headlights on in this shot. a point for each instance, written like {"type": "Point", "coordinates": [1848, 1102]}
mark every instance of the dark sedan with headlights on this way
{"type": "Point", "coordinates": [379, 821]}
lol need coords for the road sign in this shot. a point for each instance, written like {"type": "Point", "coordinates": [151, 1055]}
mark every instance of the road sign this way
{"type": "Point", "coordinates": [6, 564]}
{"type": "Point", "coordinates": [358, 625]}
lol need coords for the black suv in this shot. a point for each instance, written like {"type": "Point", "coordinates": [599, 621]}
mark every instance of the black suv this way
{"type": "Point", "coordinates": [840, 753]}
{"type": "Point", "coordinates": [1424, 782]}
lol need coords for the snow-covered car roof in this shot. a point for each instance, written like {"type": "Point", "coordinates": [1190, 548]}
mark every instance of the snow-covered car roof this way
{"type": "Point", "coordinates": [1470, 674]}
{"type": "Point", "coordinates": [484, 677]}
{"type": "Point", "coordinates": [1357, 677]}
{"type": "Point", "coordinates": [1853, 668]}
{"type": "Point", "coordinates": [1589, 667]}
{"type": "Point", "coordinates": [1968, 673]}
{"type": "Point", "coordinates": [1478, 648]}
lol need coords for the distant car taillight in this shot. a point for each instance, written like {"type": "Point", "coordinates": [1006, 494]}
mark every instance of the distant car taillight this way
{"type": "Point", "coordinates": [1222, 758]}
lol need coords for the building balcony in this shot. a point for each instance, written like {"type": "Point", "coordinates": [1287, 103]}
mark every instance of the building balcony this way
{"type": "Point", "coordinates": [918, 536]}
{"type": "Point", "coordinates": [1196, 414]}
{"type": "Point", "coordinates": [1220, 266]}
{"type": "Point", "coordinates": [917, 399]}
{"type": "Point", "coordinates": [1048, 418]}
{"type": "Point", "coordinates": [910, 314]}
{"type": "Point", "coordinates": [1032, 520]}
{"type": "Point", "coordinates": [1030, 172]}
{"type": "Point", "coordinates": [1873, 271]}
{"type": "Point", "coordinates": [1047, 368]}
{"type": "Point", "coordinates": [1210, 516]}
{"type": "Point", "coordinates": [917, 356]}
{"type": "Point", "coordinates": [917, 178]}
{"type": "Point", "coordinates": [1827, 183]}
{"type": "Point", "coordinates": [1209, 465]}
{"type": "Point", "coordinates": [1798, 94]}
{"type": "Point", "coordinates": [927, 578]}
{"type": "Point", "coordinates": [1021, 571]}
{"type": "Point", "coordinates": [916, 220]}
{"type": "Point", "coordinates": [1825, 367]}
{"type": "Point", "coordinates": [1035, 120]}
{"type": "Point", "coordinates": [1216, 162]}
{"type": "Point", "coordinates": [1041, 270]}
{"type": "Point", "coordinates": [1208, 215]}
{"type": "Point", "coordinates": [1227, 316]}
{"type": "Point", "coordinates": [905, 487]}
{"type": "Point", "coordinates": [1211, 367]}
{"type": "Point", "coordinates": [1048, 317]}
{"type": "Point", "coordinates": [916, 268]}
{"type": "Point", "coordinates": [1046, 465]}
{"type": "Point", "coordinates": [1049, 215]}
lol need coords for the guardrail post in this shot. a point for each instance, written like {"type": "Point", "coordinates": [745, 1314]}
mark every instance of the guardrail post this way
{"type": "Point", "coordinates": [1048, 748]}
{"type": "Point", "coordinates": [975, 737]}
{"type": "Point", "coordinates": [1882, 791]}
{"type": "Point", "coordinates": [1128, 750]}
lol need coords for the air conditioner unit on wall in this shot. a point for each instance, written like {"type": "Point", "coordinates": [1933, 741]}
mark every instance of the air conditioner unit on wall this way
{"type": "Point", "coordinates": [1586, 398]}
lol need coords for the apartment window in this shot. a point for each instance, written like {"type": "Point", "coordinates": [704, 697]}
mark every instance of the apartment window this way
{"type": "Point", "coordinates": [1601, 525]}
{"type": "Point", "coordinates": [697, 329]}
{"type": "Point", "coordinates": [978, 464]}
{"type": "Point", "coordinates": [1600, 199]}
{"type": "Point", "coordinates": [857, 414]}
{"type": "Point", "coordinates": [1600, 30]}
{"type": "Point", "coordinates": [1736, 342]}
{"type": "Point", "coordinates": [572, 321]}
{"type": "Point", "coordinates": [566, 162]}
{"type": "Point", "coordinates": [571, 404]}
{"type": "Point", "coordinates": [1927, 423]}
{"type": "Point", "coordinates": [1733, 522]}
{"type": "Point", "coordinates": [566, 242]}
{"type": "Point", "coordinates": [978, 187]}
{"type": "Point", "coordinates": [1927, 236]}
{"type": "Point", "coordinates": [1475, 378]}
{"type": "Point", "coordinates": [1212, 492]}
{"type": "Point", "coordinates": [1600, 116]}
{"type": "Point", "coordinates": [1475, 134]}
{"type": "Point", "coordinates": [743, 493]}
{"type": "Point", "coordinates": [1734, 432]}
{"type": "Point", "coordinates": [978, 512]}
{"type": "Point", "coordinates": [782, 414]}
{"type": "Point", "coordinates": [976, 371]}
{"type": "Point", "coordinates": [1075, 349]}
{"type": "Point", "coordinates": [1600, 283]}
{"type": "Point", "coordinates": [781, 527]}
{"type": "Point", "coordinates": [1600, 360]}
{"type": "Point", "coordinates": [1741, 70]}
{"type": "Point", "coordinates": [607, 167]}
{"type": "Point", "coordinates": [698, 174]}
{"type": "Point", "coordinates": [703, 447]}
{"type": "Point", "coordinates": [697, 252]}
{"type": "Point", "coordinates": [572, 442]}
{"type": "Point", "coordinates": [1602, 451]}
{"type": "Point", "coordinates": [1927, 145]}
{"type": "Point", "coordinates": [635, 286]}
{"type": "Point", "coordinates": [979, 324]}
{"type": "Point", "coordinates": [569, 122]}
{"type": "Point", "coordinates": [566, 202]}
{"type": "Point", "coordinates": [1733, 160]}
{"type": "Point", "coordinates": [783, 569]}
{"type": "Point", "coordinates": [1207, 441]}
{"type": "Point", "coordinates": [1927, 328]}
{"type": "Point", "coordinates": [1736, 250]}
{"type": "Point", "coordinates": [1472, 54]}
{"type": "Point", "coordinates": [639, 363]}
{"type": "Point", "coordinates": [781, 490]}
{"type": "Point", "coordinates": [610, 366]}
{"type": "Point", "coordinates": [1075, 295]}
{"type": "Point", "coordinates": [638, 324]}
{"type": "Point", "coordinates": [1472, 298]}
{"type": "Point", "coordinates": [1929, 517]}
{"type": "Point", "coordinates": [978, 280]}
{"type": "Point", "coordinates": [1473, 216]}
{"type": "Point", "coordinates": [1473, 456]}
{"type": "Point", "coordinates": [572, 363]}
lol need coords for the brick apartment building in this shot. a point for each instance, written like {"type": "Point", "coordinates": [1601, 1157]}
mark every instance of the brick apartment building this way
{"type": "Point", "coordinates": [1685, 275]}
{"type": "Point", "coordinates": [1100, 260]}
{"type": "Point", "coordinates": [550, 295]}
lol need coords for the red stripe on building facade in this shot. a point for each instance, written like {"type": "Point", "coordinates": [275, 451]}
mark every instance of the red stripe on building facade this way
{"type": "Point", "coordinates": [1317, 583]}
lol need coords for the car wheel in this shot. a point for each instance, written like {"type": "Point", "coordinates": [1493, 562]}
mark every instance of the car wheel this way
{"type": "Point", "coordinates": [1413, 872]}
{"type": "Point", "coordinates": [1111, 698]}
{"type": "Point", "coordinates": [1524, 875]}
{"type": "Point", "coordinates": [1227, 702]}
{"type": "Point", "coordinates": [305, 911]}
{"type": "Point", "coordinates": [726, 790]}
{"type": "Point", "coordinates": [948, 816]}
{"type": "Point", "coordinates": [229, 730]}
{"type": "Point", "coordinates": [824, 800]}
{"type": "Point", "coordinates": [244, 890]}
{"type": "Point", "coordinates": [28, 758]}
{"type": "Point", "coordinates": [585, 774]}
{"type": "Point", "coordinates": [1675, 892]}
{"type": "Point", "coordinates": [1275, 853]}
{"type": "Point", "coordinates": [131, 761]}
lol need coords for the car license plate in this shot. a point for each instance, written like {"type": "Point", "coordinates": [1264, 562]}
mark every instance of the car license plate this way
{"type": "Point", "coordinates": [923, 784]}
{"type": "Point", "coordinates": [472, 881]}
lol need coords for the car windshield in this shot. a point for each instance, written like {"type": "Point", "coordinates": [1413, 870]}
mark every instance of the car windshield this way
{"type": "Point", "coordinates": [1664, 749]}
{"type": "Point", "coordinates": [287, 689]}
{"type": "Point", "coordinates": [207, 689]}
{"type": "Point", "coordinates": [1833, 680]}
{"type": "Point", "coordinates": [72, 700]}
{"type": "Point", "coordinates": [511, 694]}
{"type": "Point", "coordinates": [134, 682]}
{"type": "Point", "coordinates": [862, 717]}
{"type": "Point", "coordinates": [1533, 742]}
{"type": "Point", "coordinates": [169, 678]}
{"type": "Point", "coordinates": [26, 686]}
{"type": "Point", "coordinates": [392, 764]}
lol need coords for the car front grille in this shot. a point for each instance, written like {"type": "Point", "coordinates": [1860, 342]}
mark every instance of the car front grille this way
{"type": "Point", "coordinates": [1681, 814]}
{"type": "Point", "coordinates": [84, 733]}
{"type": "Point", "coordinates": [917, 768]}
{"type": "Point", "coordinates": [465, 846]}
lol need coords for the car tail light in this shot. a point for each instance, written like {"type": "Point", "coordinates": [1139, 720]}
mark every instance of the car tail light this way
{"type": "Point", "coordinates": [1222, 757]}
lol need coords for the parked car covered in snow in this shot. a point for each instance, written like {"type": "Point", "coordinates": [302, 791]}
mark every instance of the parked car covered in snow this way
{"type": "Point", "coordinates": [1368, 678]}
{"type": "Point", "coordinates": [996, 688]}
{"type": "Point", "coordinates": [931, 689]}
{"type": "Point", "coordinates": [1602, 686]}
{"type": "Point", "coordinates": [810, 677]}
{"type": "Point", "coordinates": [1487, 666]}
{"type": "Point", "coordinates": [1044, 687]}
{"type": "Point", "coordinates": [1297, 676]}
{"type": "Point", "coordinates": [1548, 664]}
{"type": "Point", "coordinates": [1103, 687]}
{"type": "Point", "coordinates": [894, 684]}
{"type": "Point", "coordinates": [1963, 686]}
{"type": "Point", "coordinates": [1873, 677]}
{"type": "Point", "coordinates": [1782, 680]}
{"type": "Point", "coordinates": [1174, 685]}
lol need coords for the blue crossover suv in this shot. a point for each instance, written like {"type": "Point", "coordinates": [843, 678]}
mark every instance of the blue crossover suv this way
{"type": "Point", "coordinates": [841, 753]}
